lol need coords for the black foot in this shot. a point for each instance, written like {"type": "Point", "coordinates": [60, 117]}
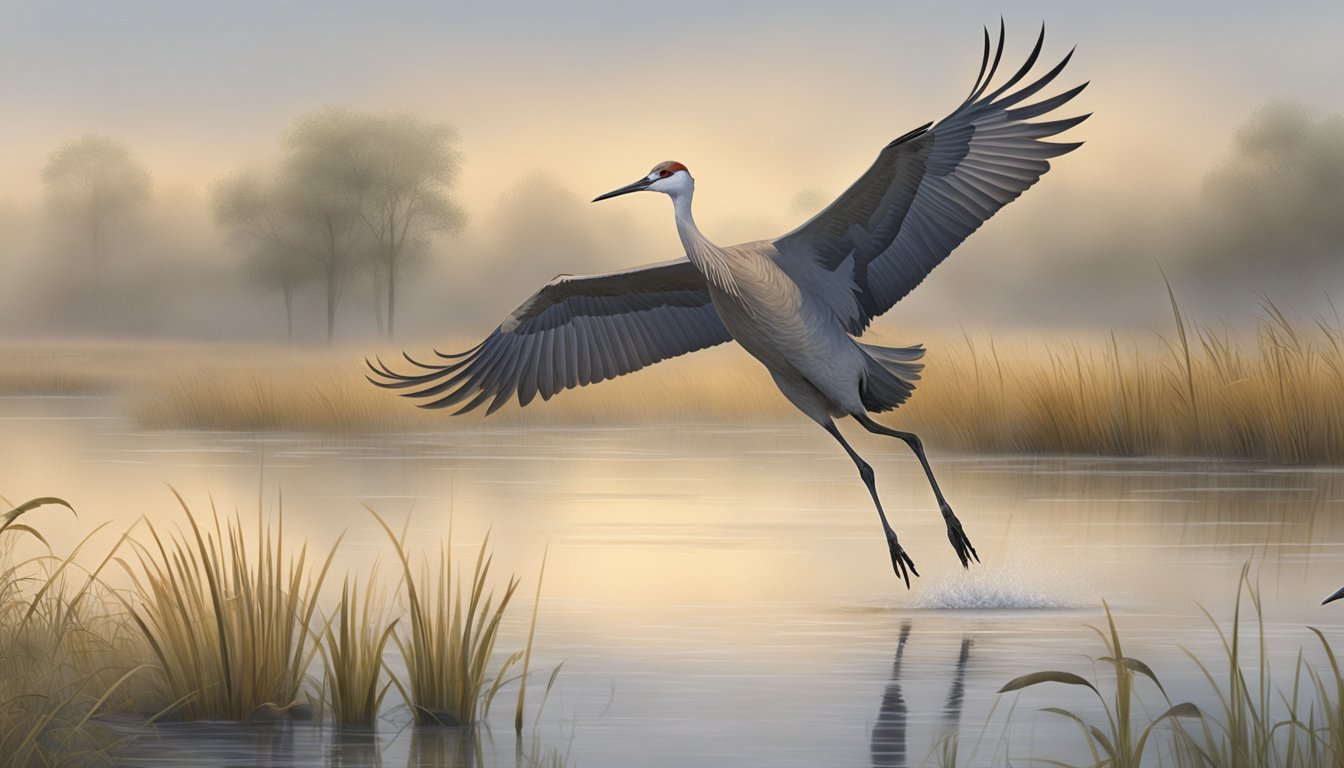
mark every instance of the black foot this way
{"type": "Point", "coordinates": [900, 562]}
{"type": "Point", "coordinates": [965, 551]}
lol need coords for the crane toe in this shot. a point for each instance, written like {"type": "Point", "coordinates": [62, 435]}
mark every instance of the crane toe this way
{"type": "Point", "coordinates": [900, 561]}
{"type": "Point", "coordinates": [960, 542]}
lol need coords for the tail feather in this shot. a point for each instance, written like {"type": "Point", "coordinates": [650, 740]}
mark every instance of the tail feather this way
{"type": "Point", "coordinates": [890, 376]}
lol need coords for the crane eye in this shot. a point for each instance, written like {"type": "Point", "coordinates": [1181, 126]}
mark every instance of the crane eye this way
{"type": "Point", "coordinates": [663, 174]}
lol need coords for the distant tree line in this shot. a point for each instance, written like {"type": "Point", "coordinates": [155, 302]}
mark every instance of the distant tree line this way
{"type": "Point", "coordinates": [353, 191]}
{"type": "Point", "coordinates": [91, 182]}
{"type": "Point", "coordinates": [353, 194]}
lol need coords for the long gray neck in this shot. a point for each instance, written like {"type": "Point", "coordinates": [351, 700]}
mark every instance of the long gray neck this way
{"type": "Point", "coordinates": [707, 257]}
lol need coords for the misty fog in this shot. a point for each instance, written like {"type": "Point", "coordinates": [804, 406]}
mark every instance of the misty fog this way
{"type": "Point", "coordinates": [1262, 220]}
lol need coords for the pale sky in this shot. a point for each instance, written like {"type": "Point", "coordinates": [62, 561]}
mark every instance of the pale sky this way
{"type": "Point", "coordinates": [762, 100]}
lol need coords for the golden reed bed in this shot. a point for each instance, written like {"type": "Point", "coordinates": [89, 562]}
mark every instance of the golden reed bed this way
{"type": "Point", "coordinates": [1274, 394]}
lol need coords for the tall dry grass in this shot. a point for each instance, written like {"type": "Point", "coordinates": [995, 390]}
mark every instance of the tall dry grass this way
{"type": "Point", "coordinates": [355, 639]}
{"type": "Point", "coordinates": [230, 625]}
{"type": "Point", "coordinates": [449, 646]}
{"type": "Point", "coordinates": [1194, 390]}
{"type": "Point", "coordinates": [1201, 392]}
{"type": "Point", "coordinates": [223, 623]}
{"type": "Point", "coordinates": [62, 663]}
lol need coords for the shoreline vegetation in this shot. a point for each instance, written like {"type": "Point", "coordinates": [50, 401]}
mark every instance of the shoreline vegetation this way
{"type": "Point", "coordinates": [216, 618]}
{"type": "Point", "coordinates": [223, 622]}
{"type": "Point", "coordinates": [1271, 394]}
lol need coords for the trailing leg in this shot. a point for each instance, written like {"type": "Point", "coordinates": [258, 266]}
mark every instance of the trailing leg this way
{"type": "Point", "coordinates": [965, 551]}
{"type": "Point", "coordinates": [900, 561]}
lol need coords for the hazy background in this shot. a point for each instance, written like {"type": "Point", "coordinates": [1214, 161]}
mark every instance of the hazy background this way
{"type": "Point", "coordinates": [1216, 150]}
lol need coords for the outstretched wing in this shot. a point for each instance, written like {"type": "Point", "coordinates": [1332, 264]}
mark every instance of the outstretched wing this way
{"type": "Point", "coordinates": [926, 193]}
{"type": "Point", "coordinates": [574, 331]}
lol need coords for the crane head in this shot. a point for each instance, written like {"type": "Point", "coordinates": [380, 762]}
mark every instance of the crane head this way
{"type": "Point", "coordinates": [670, 178]}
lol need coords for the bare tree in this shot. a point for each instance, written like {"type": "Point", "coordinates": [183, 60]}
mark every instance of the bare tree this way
{"type": "Point", "coordinates": [324, 184]}
{"type": "Point", "coordinates": [352, 186]}
{"type": "Point", "coordinates": [409, 167]}
{"type": "Point", "coordinates": [92, 181]}
{"type": "Point", "coordinates": [250, 207]}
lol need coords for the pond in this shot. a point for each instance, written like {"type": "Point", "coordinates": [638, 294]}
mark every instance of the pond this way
{"type": "Point", "coordinates": [721, 595]}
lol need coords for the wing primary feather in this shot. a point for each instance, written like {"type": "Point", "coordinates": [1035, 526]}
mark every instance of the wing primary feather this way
{"type": "Point", "coordinates": [546, 365]}
{"type": "Point", "coordinates": [602, 343]}
{"type": "Point", "coordinates": [527, 374]}
{"type": "Point", "coordinates": [1057, 148]}
{"type": "Point", "coordinates": [431, 366]}
{"type": "Point", "coordinates": [465, 379]}
{"type": "Point", "coordinates": [475, 402]}
{"type": "Point", "coordinates": [560, 357]}
{"type": "Point", "coordinates": [508, 381]}
{"type": "Point", "coordinates": [908, 135]}
{"type": "Point", "coordinates": [489, 383]}
{"type": "Point", "coordinates": [640, 341]}
{"type": "Point", "coordinates": [391, 380]}
{"type": "Point", "coordinates": [1048, 105]}
{"type": "Point", "coordinates": [1028, 91]}
{"type": "Point", "coordinates": [381, 368]}
{"type": "Point", "coordinates": [584, 351]}
{"type": "Point", "coordinates": [998, 56]}
{"type": "Point", "coordinates": [455, 355]}
{"type": "Point", "coordinates": [621, 349]}
{"type": "Point", "coordinates": [1052, 127]}
{"type": "Point", "coordinates": [984, 63]}
{"type": "Point", "coordinates": [1023, 70]}
{"type": "Point", "coordinates": [437, 370]}
{"type": "Point", "coordinates": [403, 381]}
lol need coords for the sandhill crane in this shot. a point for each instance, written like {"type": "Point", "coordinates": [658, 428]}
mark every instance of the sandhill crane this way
{"type": "Point", "coordinates": [795, 303]}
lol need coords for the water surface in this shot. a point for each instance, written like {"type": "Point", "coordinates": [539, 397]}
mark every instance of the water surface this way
{"type": "Point", "coordinates": [721, 595]}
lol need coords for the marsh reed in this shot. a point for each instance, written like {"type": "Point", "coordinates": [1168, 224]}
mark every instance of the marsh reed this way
{"type": "Point", "coordinates": [230, 625]}
{"type": "Point", "coordinates": [450, 642]}
{"type": "Point", "coordinates": [1199, 392]}
{"type": "Point", "coordinates": [1185, 388]}
{"type": "Point", "coordinates": [59, 654]}
{"type": "Point", "coordinates": [222, 623]}
{"type": "Point", "coordinates": [1256, 721]}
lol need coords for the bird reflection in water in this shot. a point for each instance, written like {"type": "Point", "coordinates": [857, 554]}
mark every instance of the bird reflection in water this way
{"type": "Point", "coordinates": [889, 741]}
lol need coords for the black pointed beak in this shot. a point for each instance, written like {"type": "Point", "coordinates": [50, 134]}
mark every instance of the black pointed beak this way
{"type": "Point", "coordinates": [628, 188]}
{"type": "Point", "coordinates": [1333, 597]}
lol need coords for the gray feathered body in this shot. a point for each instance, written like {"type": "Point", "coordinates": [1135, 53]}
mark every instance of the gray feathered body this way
{"type": "Point", "coordinates": [796, 335]}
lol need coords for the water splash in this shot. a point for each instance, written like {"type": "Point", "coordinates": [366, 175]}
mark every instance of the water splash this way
{"type": "Point", "coordinates": [1007, 589]}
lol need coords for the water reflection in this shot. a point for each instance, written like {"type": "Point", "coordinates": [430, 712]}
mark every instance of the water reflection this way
{"type": "Point", "coordinates": [888, 741]}
{"type": "Point", "coordinates": [445, 747]}
{"type": "Point", "coordinates": [223, 744]}
{"type": "Point", "coordinates": [888, 744]}
{"type": "Point", "coordinates": [949, 727]}
{"type": "Point", "coordinates": [355, 748]}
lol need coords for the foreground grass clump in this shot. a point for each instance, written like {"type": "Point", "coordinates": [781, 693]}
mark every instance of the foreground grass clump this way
{"type": "Point", "coordinates": [219, 623]}
{"type": "Point", "coordinates": [451, 637]}
{"type": "Point", "coordinates": [234, 630]}
{"type": "Point", "coordinates": [352, 653]}
{"type": "Point", "coordinates": [58, 657]}
{"type": "Point", "coordinates": [230, 628]}
{"type": "Point", "coordinates": [1256, 723]}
